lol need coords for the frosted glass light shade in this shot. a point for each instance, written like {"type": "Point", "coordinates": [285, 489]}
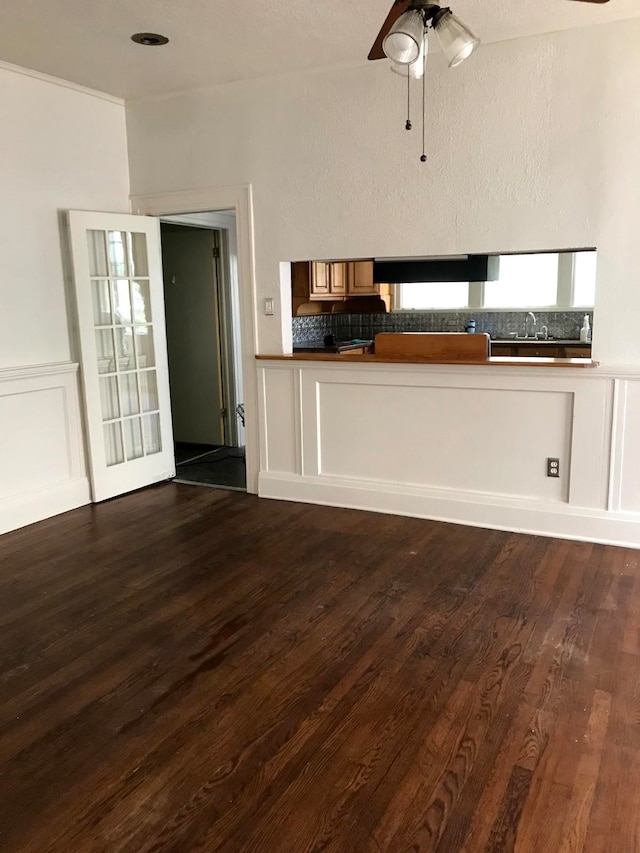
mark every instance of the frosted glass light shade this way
{"type": "Point", "coordinates": [402, 43]}
{"type": "Point", "coordinates": [416, 69]}
{"type": "Point", "coordinates": [456, 40]}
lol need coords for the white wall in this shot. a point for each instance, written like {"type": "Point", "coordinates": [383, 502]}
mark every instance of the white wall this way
{"type": "Point", "coordinates": [60, 147]}
{"type": "Point", "coordinates": [532, 144]}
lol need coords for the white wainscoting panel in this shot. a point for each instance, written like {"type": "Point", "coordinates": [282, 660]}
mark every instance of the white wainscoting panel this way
{"type": "Point", "coordinates": [42, 466]}
{"type": "Point", "coordinates": [279, 405]}
{"type": "Point", "coordinates": [457, 443]}
{"type": "Point", "coordinates": [629, 438]}
{"type": "Point", "coordinates": [448, 438]}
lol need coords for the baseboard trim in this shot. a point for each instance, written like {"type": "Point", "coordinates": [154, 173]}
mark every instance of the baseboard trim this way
{"type": "Point", "coordinates": [40, 504]}
{"type": "Point", "coordinates": [472, 509]}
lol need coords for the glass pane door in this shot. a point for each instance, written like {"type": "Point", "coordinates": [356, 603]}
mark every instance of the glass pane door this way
{"type": "Point", "coordinates": [123, 321]}
{"type": "Point", "coordinates": [124, 351]}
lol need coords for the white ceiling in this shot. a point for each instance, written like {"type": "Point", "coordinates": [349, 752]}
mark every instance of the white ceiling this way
{"type": "Point", "coordinates": [218, 41]}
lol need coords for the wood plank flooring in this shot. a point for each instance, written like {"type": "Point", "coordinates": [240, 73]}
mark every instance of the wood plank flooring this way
{"type": "Point", "coordinates": [186, 669]}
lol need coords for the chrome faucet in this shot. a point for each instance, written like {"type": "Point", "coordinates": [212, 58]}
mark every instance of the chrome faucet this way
{"type": "Point", "coordinates": [526, 324]}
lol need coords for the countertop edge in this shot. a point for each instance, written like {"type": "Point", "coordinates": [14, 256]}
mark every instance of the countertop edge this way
{"type": "Point", "coordinates": [493, 361]}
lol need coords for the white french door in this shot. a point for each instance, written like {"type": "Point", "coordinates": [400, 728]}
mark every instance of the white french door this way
{"type": "Point", "coordinates": [117, 270]}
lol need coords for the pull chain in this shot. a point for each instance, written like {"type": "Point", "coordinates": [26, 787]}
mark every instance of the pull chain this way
{"type": "Point", "coordinates": [408, 125]}
{"type": "Point", "coordinates": [423, 158]}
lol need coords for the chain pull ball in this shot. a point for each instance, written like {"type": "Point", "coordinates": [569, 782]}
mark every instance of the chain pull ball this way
{"type": "Point", "coordinates": [408, 125]}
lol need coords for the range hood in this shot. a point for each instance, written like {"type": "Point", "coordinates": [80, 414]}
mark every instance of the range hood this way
{"type": "Point", "coordinates": [454, 268]}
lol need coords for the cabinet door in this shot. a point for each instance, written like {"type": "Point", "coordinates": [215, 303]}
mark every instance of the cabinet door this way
{"type": "Point", "coordinates": [319, 280]}
{"type": "Point", "coordinates": [360, 279]}
{"type": "Point", "coordinates": [577, 352]}
{"type": "Point", "coordinates": [338, 279]}
{"type": "Point", "coordinates": [503, 350]}
{"type": "Point", "coordinates": [533, 351]}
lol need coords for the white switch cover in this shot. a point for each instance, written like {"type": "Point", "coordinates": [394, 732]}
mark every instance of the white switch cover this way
{"type": "Point", "coordinates": [268, 306]}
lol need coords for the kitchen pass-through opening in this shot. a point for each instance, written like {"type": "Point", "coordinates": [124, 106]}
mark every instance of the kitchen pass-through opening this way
{"type": "Point", "coordinates": [199, 260]}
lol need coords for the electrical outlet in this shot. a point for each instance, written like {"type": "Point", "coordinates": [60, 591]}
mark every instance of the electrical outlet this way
{"type": "Point", "coordinates": [553, 467]}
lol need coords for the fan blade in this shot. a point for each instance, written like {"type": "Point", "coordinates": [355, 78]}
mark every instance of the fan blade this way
{"type": "Point", "coordinates": [398, 8]}
{"type": "Point", "coordinates": [592, 1]}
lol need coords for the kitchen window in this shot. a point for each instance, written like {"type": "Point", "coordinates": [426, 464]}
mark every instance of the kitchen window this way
{"type": "Point", "coordinates": [425, 295]}
{"type": "Point", "coordinates": [562, 280]}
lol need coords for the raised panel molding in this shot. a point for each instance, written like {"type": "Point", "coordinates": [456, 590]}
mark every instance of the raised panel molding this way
{"type": "Point", "coordinates": [342, 417]}
{"type": "Point", "coordinates": [41, 444]}
{"type": "Point", "coordinates": [625, 491]}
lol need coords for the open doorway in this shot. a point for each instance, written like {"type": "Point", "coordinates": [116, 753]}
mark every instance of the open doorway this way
{"type": "Point", "coordinates": [199, 259]}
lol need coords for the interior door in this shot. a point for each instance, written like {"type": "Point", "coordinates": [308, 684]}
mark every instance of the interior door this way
{"type": "Point", "coordinates": [117, 272]}
{"type": "Point", "coordinates": [193, 334]}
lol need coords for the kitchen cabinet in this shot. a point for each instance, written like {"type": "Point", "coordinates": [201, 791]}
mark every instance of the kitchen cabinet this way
{"type": "Point", "coordinates": [327, 280]}
{"type": "Point", "coordinates": [318, 281]}
{"type": "Point", "coordinates": [520, 349]}
{"type": "Point", "coordinates": [334, 281]}
{"type": "Point", "coordinates": [360, 279]}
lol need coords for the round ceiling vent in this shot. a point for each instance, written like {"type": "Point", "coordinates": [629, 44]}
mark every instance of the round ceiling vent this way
{"type": "Point", "coordinates": [149, 39]}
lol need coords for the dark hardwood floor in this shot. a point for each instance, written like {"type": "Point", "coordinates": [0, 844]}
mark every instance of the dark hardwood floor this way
{"type": "Point", "coordinates": [188, 669]}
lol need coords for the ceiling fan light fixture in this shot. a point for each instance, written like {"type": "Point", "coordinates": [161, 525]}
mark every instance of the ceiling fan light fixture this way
{"type": "Point", "coordinates": [456, 40]}
{"type": "Point", "coordinates": [416, 68]}
{"type": "Point", "coordinates": [403, 41]}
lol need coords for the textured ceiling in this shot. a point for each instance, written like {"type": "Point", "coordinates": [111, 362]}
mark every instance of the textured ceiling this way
{"type": "Point", "coordinates": [219, 41]}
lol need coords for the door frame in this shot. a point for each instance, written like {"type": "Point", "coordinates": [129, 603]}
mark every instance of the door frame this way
{"type": "Point", "coordinates": [212, 199]}
{"type": "Point", "coordinates": [223, 228]}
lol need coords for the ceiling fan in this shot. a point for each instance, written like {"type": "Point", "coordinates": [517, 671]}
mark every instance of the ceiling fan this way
{"type": "Point", "coordinates": [403, 40]}
{"type": "Point", "coordinates": [433, 13]}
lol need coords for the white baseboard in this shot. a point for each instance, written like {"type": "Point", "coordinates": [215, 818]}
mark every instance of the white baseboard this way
{"type": "Point", "coordinates": [35, 506]}
{"type": "Point", "coordinates": [470, 508]}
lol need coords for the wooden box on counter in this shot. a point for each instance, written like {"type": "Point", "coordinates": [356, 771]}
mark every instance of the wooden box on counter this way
{"type": "Point", "coordinates": [435, 346]}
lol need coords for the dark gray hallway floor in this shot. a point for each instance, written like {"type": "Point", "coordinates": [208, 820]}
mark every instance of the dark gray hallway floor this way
{"type": "Point", "coordinates": [211, 466]}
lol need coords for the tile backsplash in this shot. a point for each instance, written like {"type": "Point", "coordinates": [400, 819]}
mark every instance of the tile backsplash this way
{"type": "Point", "coordinates": [561, 324]}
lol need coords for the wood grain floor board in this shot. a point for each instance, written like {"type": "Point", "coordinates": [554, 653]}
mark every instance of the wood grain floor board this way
{"type": "Point", "coordinates": [187, 669]}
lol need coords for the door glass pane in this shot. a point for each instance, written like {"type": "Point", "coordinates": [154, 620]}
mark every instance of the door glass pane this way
{"type": "Point", "coordinates": [113, 444]}
{"type": "Point", "coordinates": [129, 393]}
{"type": "Point", "coordinates": [97, 253]}
{"type": "Point", "coordinates": [105, 351]}
{"type": "Point", "coordinates": [138, 264]}
{"type": "Point", "coordinates": [152, 440]}
{"type": "Point", "coordinates": [101, 302]}
{"type": "Point", "coordinates": [124, 348]}
{"type": "Point", "coordinates": [117, 253]}
{"type": "Point", "coordinates": [121, 301]}
{"type": "Point", "coordinates": [149, 391]}
{"type": "Point", "coordinates": [109, 398]}
{"type": "Point", "coordinates": [133, 438]}
{"type": "Point", "coordinates": [141, 302]}
{"type": "Point", "coordinates": [144, 346]}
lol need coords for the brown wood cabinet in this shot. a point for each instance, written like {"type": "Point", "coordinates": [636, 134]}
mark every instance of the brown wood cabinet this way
{"type": "Point", "coordinates": [532, 350]}
{"type": "Point", "coordinates": [360, 279]}
{"type": "Point", "coordinates": [334, 281]}
{"type": "Point", "coordinates": [327, 280]}
{"type": "Point", "coordinates": [319, 281]}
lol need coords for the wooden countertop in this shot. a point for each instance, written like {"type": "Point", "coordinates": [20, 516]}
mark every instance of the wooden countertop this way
{"type": "Point", "coordinates": [493, 361]}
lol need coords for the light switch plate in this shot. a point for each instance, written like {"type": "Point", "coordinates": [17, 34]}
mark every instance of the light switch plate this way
{"type": "Point", "coordinates": [268, 306]}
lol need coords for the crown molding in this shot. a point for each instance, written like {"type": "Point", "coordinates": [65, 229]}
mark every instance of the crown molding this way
{"type": "Point", "coordinates": [58, 81]}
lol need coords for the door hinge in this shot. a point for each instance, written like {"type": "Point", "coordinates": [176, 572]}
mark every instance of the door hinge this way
{"type": "Point", "coordinates": [216, 252]}
{"type": "Point", "coordinates": [223, 413]}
